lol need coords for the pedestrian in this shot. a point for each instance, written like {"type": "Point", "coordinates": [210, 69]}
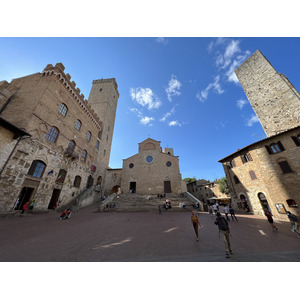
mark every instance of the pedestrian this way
{"type": "Point", "coordinates": [224, 230]}
{"type": "Point", "coordinates": [294, 223]}
{"type": "Point", "coordinates": [210, 211]}
{"type": "Point", "coordinates": [225, 209]}
{"type": "Point", "coordinates": [232, 213]}
{"type": "Point", "coordinates": [195, 224]}
{"type": "Point", "coordinates": [215, 208]}
{"type": "Point", "coordinates": [159, 209]}
{"type": "Point", "coordinates": [24, 208]}
{"type": "Point", "coordinates": [270, 219]}
{"type": "Point", "coordinates": [31, 206]}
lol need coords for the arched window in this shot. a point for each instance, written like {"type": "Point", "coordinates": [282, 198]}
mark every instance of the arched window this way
{"type": "Point", "coordinates": [275, 148]}
{"type": "Point", "coordinates": [97, 144]}
{"type": "Point", "coordinates": [236, 179]}
{"type": "Point", "coordinates": [88, 136]}
{"type": "Point", "coordinates": [63, 109]}
{"type": "Point", "coordinates": [71, 145]}
{"type": "Point", "coordinates": [252, 175]}
{"type": "Point", "coordinates": [77, 181]}
{"type": "Point", "coordinates": [291, 203]}
{"type": "Point", "coordinates": [83, 154]}
{"type": "Point", "coordinates": [52, 134]}
{"type": "Point", "coordinates": [78, 125]}
{"type": "Point", "coordinates": [61, 176]}
{"type": "Point", "coordinates": [37, 168]}
{"type": "Point", "coordinates": [90, 181]}
{"type": "Point", "coordinates": [100, 134]}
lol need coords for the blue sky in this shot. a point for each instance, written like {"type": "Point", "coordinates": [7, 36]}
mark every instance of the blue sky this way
{"type": "Point", "coordinates": [180, 91]}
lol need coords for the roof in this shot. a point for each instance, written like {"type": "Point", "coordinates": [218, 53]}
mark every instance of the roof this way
{"type": "Point", "coordinates": [257, 143]}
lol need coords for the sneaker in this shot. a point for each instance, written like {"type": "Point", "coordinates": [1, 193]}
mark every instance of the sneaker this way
{"type": "Point", "coordinates": [227, 255]}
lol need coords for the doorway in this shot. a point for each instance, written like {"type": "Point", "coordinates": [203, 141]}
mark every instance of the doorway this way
{"type": "Point", "coordinates": [24, 197]}
{"type": "Point", "coordinates": [167, 187]}
{"type": "Point", "coordinates": [54, 198]}
{"type": "Point", "coordinates": [132, 187]}
{"type": "Point", "coordinates": [263, 201]}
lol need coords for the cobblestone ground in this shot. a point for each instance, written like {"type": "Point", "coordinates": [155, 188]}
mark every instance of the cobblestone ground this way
{"type": "Point", "coordinates": [140, 237]}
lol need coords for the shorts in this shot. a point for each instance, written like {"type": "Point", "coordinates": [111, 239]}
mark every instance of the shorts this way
{"type": "Point", "coordinates": [270, 221]}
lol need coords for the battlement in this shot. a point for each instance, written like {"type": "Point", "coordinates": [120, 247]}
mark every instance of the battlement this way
{"type": "Point", "coordinates": [65, 80]}
{"type": "Point", "coordinates": [108, 80]}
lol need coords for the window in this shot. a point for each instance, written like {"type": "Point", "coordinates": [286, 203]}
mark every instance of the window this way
{"type": "Point", "coordinates": [291, 203]}
{"type": "Point", "coordinates": [246, 157]}
{"type": "Point", "coordinates": [296, 139]}
{"type": "Point", "coordinates": [61, 176]}
{"type": "Point", "coordinates": [100, 134]}
{"type": "Point", "coordinates": [77, 181]}
{"type": "Point", "coordinates": [83, 154]}
{"type": "Point", "coordinates": [275, 148]}
{"type": "Point", "coordinates": [52, 134]}
{"type": "Point", "coordinates": [236, 179]}
{"type": "Point", "coordinates": [71, 145]}
{"type": "Point", "coordinates": [78, 125]}
{"type": "Point", "coordinates": [63, 109]}
{"type": "Point", "coordinates": [37, 169]}
{"type": "Point", "coordinates": [252, 175]}
{"type": "Point", "coordinates": [280, 208]}
{"type": "Point", "coordinates": [131, 165]}
{"type": "Point", "coordinates": [169, 164]}
{"type": "Point", "coordinates": [107, 137]}
{"type": "Point", "coordinates": [149, 159]}
{"type": "Point", "coordinates": [88, 135]}
{"type": "Point", "coordinates": [97, 144]}
{"type": "Point", "coordinates": [232, 163]}
{"type": "Point", "coordinates": [285, 167]}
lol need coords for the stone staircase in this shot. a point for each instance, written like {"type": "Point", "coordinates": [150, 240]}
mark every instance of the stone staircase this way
{"type": "Point", "coordinates": [141, 203]}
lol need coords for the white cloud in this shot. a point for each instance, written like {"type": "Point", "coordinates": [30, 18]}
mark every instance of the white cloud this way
{"type": "Point", "coordinates": [173, 88]}
{"type": "Point", "coordinates": [236, 62]}
{"type": "Point", "coordinates": [241, 103]}
{"type": "Point", "coordinates": [161, 40]}
{"type": "Point", "coordinates": [168, 114]}
{"type": "Point", "coordinates": [216, 86]}
{"type": "Point", "coordinates": [145, 97]}
{"type": "Point", "coordinates": [225, 59]}
{"type": "Point", "coordinates": [174, 123]}
{"type": "Point", "coordinates": [252, 120]}
{"type": "Point", "coordinates": [146, 120]}
{"type": "Point", "coordinates": [216, 42]}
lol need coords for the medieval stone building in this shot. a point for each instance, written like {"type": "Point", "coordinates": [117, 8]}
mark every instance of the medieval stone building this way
{"type": "Point", "coordinates": [266, 174]}
{"type": "Point", "coordinates": [63, 143]}
{"type": "Point", "coordinates": [151, 171]}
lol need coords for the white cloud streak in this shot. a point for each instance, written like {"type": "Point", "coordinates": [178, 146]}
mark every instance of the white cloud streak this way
{"type": "Point", "coordinates": [215, 86]}
{"type": "Point", "coordinates": [144, 120]}
{"type": "Point", "coordinates": [252, 120]}
{"type": "Point", "coordinates": [241, 103]}
{"type": "Point", "coordinates": [162, 40]}
{"type": "Point", "coordinates": [145, 97]}
{"type": "Point", "coordinates": [174, 123]}
{"type": "Point", "coordinates": [173, 88]}
{"type": "Point", "coordinates": [167, 115]}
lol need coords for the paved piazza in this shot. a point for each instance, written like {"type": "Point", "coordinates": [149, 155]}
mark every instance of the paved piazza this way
{"type": "Point", "coordinates": [140, 237]}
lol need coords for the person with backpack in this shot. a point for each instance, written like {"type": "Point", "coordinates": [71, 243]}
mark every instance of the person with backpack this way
{"type": "Point", "coordinates": [294, 223]}
{"type": "Point", "coordinates": [269, 216]}
{"type": "Point", "coordinates": [224, 230]}
{"type": "Point", "coordinates": [231, 210]}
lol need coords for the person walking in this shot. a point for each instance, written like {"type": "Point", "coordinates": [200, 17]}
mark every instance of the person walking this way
{"type": "Point", "coordinates": [24, 208]}
{"type": "Point", "coordinates": [215, 208]}
{"type": "Point", "coordinates": [224, 230]}
{"type": "Point", "coordinates": [270, 219]}
{"type": "Point", "coordinates": [294, 223]}
{"type": "Point", "coordinates": [31, 206]}
{"type": "Point", "coordinates": [225, 210]}
{"type": "Point", "coordinates": [195, 224]}
{"type": "Point", "coordinates": [159, 209]}
{"type": "Point", "coordinates": [232, 213]}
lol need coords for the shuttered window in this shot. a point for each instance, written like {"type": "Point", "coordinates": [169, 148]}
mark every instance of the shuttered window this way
{"type": "Point", "coordinates": [252, 175]}
{"type": "Point", "coordinates": [296, 139]}
{"type": "Point", "coordinates": [275, 148]}
{"type": "Point", "coordinates": [285, 167]}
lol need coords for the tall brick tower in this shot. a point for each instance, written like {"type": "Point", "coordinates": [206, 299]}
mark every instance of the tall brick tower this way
{"type": "Point", "coordinates": [274, 99]}
{"type": "Point", "coordinates": [103, 99]}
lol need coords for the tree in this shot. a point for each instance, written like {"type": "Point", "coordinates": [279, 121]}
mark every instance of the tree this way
{"type": "Point", "coordinates": [189, 180]}
{"type": "Point", "coordinates": [223, 186]}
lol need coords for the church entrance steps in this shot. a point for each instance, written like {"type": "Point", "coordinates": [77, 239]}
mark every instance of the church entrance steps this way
{"type": "Point", "coordinates": [146, 203]}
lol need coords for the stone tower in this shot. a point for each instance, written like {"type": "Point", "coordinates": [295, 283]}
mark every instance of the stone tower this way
{"type": "Point", "coordinates": [274, 99]}
{"type": "Point", "coordinates": [103, 99]}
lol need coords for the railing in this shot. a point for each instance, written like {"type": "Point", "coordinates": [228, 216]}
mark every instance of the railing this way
{"type": "Point", "coordinates": [193, 199]}
{"type": "Point", "coordinates": [70, 152]}
{"type": "Point", "coordinates": [111, 198]}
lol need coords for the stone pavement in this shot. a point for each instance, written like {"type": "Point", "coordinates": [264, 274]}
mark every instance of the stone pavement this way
{"type": "Point", "coordinates": [141, 237]}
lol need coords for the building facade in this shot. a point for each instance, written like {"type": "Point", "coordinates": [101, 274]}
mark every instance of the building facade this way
{"type": "Point", "coordinates": [266, 174]}
{"type": "Point", "coordinates": [69, 147]}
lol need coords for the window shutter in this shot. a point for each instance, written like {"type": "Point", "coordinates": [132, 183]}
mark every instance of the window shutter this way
{"type": "Point", "coordinates": [296, 141]}
{"type": "Point", "coordinates": [269, 150]}
{"type": "Point", "coordinates": [252, 175]}
{"type": "Point", "coordinates": [243, 159]}
{"type": "Point", "coordinates": [280, 146]}
{"type": "Point", "coordinates": [285, 167]}
{"type": "Point", "coordinates": [249, 157]}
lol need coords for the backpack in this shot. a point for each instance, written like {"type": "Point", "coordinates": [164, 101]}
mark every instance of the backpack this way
{"type": "Point", "coordinates": [293, 218]}
{"type": "Point", "coordinates": [223, 224]}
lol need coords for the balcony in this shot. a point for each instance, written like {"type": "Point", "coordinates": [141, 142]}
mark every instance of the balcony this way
{"type": "Point", "coordinates": [69, 152]}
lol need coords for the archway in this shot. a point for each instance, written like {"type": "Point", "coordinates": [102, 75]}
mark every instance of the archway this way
{"type": "Point", "coordinates": [116, 189]}
{"type": "Point", "coordinates": [263, 201]}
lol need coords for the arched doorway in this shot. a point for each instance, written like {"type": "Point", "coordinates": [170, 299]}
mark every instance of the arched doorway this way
{"type": "Point", "coordinates": [99, 180]}
{"type": "Point", "coordinates": [263, 201]}
{"type": "Point", "coordinates": [244, 202]}
{"type": "Point", "coordinates": [90, 181]}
